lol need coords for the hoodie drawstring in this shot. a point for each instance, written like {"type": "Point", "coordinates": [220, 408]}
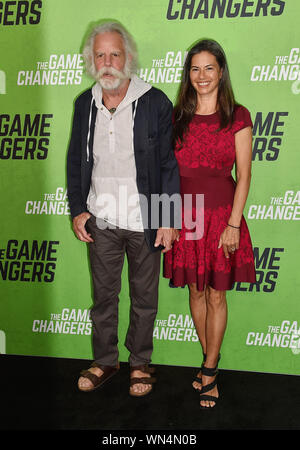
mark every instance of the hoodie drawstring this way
{"type": "Point", "coordinates": [89, 131]}
{"type": "Point", "coordinates": [134, 109]}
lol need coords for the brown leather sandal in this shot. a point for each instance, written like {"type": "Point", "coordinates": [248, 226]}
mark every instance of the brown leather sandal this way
{"type": "Point", "coordinates": [108, 372]}
{"type": "Point", "coordinates": [142, 380]}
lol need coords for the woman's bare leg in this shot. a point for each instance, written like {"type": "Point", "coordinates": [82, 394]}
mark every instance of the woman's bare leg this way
{"type": "Point", "coordinates": [216, 320]}
{"type": "Point", "coordinates": [198, 311]}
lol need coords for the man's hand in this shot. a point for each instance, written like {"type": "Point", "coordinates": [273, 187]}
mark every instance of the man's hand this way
{"type": "Point", "coordinates": [166, 237]}
{"type": "Point", "coordinates": [79, 227]}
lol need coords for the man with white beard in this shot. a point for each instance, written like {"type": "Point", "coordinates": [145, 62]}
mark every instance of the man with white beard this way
{"type": "Point", "coordinates": [120, 154]}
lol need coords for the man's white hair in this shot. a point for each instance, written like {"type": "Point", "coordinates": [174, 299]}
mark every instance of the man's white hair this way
{"type": "Point", "coordinates": [129, 45]}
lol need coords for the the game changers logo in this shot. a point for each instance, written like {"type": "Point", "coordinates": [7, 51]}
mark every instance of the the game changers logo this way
{"type": "Point", "coordinates": [166, 69]}
{"type": "Point", "coordinates": [2, 82]}
{"type": "Point", "coordinates": [28, 261]}
{"type": "Point", "coordinates": [175, 328]}
{"type": "Point", "coordinates": [267, 266]}
{"type": "Point", "coordinates": [222, 9]}
{"type": "Point", "coordinates": [284, 207]}
{"type": "Point", "coordinates": [285, 335]}
{"type": "Point", "coordinates": [24, 136]}
{"type": "Point", "coordinates": [57, 70]}
{"type": "Point", "coordinates": [284, 68]}
{"type": "Point", "coordinates": [22, 12]}
{"type": "Point", "coordinates": [268, 131]}
{"type": "Point", "coordinates": [68, 321]}
{"type": "Point", "coordinates": [55, 203]}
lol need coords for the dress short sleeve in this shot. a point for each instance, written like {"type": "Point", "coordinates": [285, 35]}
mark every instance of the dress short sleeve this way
{"type": "Point", "coordinates": [242, 119]}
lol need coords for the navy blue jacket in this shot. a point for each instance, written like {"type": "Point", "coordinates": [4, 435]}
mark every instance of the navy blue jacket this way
{"type": "Point", "coordinates": [156, 166]}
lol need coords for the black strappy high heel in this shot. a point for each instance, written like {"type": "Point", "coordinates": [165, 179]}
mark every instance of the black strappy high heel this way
{"type": "Point", "coordinates": [209, 372]}
{"type": "Point", "coordinates": [197, 378]}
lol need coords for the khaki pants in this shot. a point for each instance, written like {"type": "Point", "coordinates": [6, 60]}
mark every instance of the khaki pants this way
{"type": "Point", "coordinates": [107, 259]}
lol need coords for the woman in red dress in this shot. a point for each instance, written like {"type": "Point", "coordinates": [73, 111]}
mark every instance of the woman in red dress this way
{"type": "Point", "coordinates": [212, 133]}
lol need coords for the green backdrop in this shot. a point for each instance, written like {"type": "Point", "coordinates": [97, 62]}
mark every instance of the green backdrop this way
{"type": "Point", "coordinates": [44, 274]}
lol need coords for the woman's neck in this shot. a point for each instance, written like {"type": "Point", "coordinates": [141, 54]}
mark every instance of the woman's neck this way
{"type": "Point", "coordinates": [206, 104]}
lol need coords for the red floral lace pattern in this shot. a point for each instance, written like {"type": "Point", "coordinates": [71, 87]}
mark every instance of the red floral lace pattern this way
{"type": "Point", "coordinates": [204, 147]}
{"type": "Point", "coordinates": [200, 260]}
{"type": "Point", "coordinates": [203, 254]}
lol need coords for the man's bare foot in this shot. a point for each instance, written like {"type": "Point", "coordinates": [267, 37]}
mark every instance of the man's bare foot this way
{"type": "Point", "coordinates": [139, 389]}
{"type": "Point", "coordinates": [84, 384]}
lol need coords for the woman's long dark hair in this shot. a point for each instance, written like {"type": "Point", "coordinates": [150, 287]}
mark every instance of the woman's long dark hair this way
{"type": "Point", "coordinates": [186, 103]}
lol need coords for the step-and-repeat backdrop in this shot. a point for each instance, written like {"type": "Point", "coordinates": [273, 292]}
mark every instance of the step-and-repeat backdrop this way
{"type": "Point", "coordinates": [45, 283]}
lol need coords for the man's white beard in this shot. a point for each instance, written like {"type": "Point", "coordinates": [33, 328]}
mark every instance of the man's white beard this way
{"type": "Point", "coordinates": [114, 83]}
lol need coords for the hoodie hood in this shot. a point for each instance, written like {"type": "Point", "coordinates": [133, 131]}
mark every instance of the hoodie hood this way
{"type": "Point", "coordinates": [137, 87]}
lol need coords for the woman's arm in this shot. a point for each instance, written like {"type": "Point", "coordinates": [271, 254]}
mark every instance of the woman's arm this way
{"type": "Point", "coordinates": [243, 146]}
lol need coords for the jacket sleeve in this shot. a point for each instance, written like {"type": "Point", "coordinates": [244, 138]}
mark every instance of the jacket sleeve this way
{"type": "Point", "coordinates": [76, 201]}
{"type": "Point", "coordinates": [170, 181]}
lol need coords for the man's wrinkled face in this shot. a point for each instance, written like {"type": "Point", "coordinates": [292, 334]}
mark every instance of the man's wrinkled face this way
{"type": "Point", "coordinates": [110, 60]}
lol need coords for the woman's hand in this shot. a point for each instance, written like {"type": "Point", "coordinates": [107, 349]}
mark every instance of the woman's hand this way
{"type": "Point", "coordinates": [166, 237]}
{"type": "Point", "coordinates": [229, 240]}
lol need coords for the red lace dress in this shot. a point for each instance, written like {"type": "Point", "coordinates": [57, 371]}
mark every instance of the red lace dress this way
{"type": "Point", "coordinates": [205, 162]}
